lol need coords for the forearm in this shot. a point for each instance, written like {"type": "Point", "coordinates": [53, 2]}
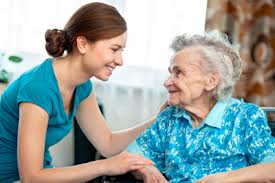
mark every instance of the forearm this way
{"type": "Point", "coordinates": [77, 173]}
{"type": "Point", "coordinates": [257, 173]}
{"type": "Point", "coordinates": [121, 139]}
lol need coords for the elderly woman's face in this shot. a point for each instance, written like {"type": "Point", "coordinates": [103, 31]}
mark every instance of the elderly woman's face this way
{"type": "Point", "coordinates": [187, 81]}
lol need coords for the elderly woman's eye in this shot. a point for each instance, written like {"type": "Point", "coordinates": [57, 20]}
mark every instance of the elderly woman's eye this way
{"type": "Point", "coordinates": [178, 72]}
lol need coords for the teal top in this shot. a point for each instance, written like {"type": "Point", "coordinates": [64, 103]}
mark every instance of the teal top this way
{"type": "Point", "coordinates": [38, 86]}
{"type": "Point", "coordinates": [235, 134]}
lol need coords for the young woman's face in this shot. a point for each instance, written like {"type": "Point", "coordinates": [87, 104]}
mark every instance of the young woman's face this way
{"type": "Point", "coordinates": [186, 82]}
{"type": "Point", "coordinates": [103, 56]}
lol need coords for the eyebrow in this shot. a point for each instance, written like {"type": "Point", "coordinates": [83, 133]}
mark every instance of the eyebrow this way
{"type": "Point", "coordinates": [175, 67]}
{"type": "Point", "coordinates": [119, 46]}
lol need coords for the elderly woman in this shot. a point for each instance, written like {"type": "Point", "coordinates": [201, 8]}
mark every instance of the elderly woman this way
{"type": "Point", "coordinates": [204, 131]}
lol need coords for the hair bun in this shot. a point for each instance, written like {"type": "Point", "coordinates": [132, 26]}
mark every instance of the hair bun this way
{"type": "Point", "coordinates": [55, 42]}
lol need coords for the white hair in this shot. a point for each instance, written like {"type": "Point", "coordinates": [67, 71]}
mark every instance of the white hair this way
{"type": "Point", "coordinates": [218, 55]}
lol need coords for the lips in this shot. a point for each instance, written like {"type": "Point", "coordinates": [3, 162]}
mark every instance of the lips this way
{"type": "Point", "coordinates": [172, 91]}
{"type": "Point", "coordinates": [110, 68]}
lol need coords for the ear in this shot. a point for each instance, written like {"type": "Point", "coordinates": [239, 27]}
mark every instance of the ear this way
{"type": "Point", "coordinates": [212, 81]}
{"type": "Point", "coordinates": [81, 44]}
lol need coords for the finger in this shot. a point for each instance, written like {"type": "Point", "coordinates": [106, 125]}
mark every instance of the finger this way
{"type": "Point", "coordinates": [161, 178]}
{"type": "Point", "coordinates": [158, 177]}
{"type": "Point", "coordinates": [147, 161]}
{"type": "Point", "coordinates": [140, 157]}
{"type": "Point", "coordinates": [152, 174]}
{"type": "Point", "coordinates": [147, 179]}
{"type": "Point", "coordinates": [136, 167]}
{"type": "Point", "coordinates": [155, 178]}
{"type": "Point", "coordinates": [141, 161]}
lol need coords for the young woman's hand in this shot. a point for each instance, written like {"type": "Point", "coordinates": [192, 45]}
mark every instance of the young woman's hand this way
{"type": "Point", "coordinates": [125, 162]}
{"type": "Point", "coordinates": [149, 174]}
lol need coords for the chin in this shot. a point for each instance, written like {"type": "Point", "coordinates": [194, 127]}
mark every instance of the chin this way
{"type": "Point", "coordinates": [103, 78]}
{"type": "Point", "coordinates": [172, 102]}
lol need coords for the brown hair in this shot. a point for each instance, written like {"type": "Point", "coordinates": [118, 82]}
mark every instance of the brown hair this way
{"type": "Point", "coordinates": [95, 21]}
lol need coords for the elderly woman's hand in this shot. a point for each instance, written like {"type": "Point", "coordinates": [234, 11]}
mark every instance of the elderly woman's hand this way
{"type": "Point", "coordinates": [149, 174]}
{"type": "Point", "coordinates": [216, 178]}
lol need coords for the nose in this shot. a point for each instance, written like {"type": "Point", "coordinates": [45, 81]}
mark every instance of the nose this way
{"type": "Point", "coordinates": [169, 81]}
{"type": "Point", "coordinates": [119, 59]}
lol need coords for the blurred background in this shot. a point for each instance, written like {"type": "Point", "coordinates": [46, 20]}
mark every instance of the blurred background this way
{"type": "Point", "coordinates": [135, 91]}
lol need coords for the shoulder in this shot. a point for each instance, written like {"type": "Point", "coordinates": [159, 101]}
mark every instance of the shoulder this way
{"type": "Point", "coordinates": [255, 117]}
{"type": "Point", "coordinates": [248, 114]}
{"type": "Point", "coordinates": [87, 85]}
{"type": "Point", "coordinates": [166, 117]}
{"type": "Point", "coordinates": [30, 84]}
{"type": "Point", "coordinates": [41, 74]}
{"type": "Point", "coordinates": [84, 90]}
{"type": "Point", "coordinates": [38, 86]}
{"type": "Point", "coordinates": [239, 107]}
{"type": "Point", "coordinates": [167, 113]}
{"type": "Point", "coordinates": [38, 93]}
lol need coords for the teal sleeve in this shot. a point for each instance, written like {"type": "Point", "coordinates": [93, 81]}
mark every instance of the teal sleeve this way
{"type": "Point", "coordinates": [38, 94]}
{"type": "Point", "coordinates": [85, 90]}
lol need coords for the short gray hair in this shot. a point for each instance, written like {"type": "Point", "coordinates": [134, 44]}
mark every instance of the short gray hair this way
{"type": "Point", "coordinates": [218, 55]}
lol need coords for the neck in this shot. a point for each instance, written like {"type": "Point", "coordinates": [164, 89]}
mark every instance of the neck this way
{"type": "Point", "coordinates": [199, 109]}
{"type": "Point", "coordinates": [68, 72]}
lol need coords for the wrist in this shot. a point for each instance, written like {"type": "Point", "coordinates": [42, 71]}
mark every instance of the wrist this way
{"type": "Point", "coordinates": [102, 167]}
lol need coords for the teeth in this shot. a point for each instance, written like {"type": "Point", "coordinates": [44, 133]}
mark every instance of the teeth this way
{"type": "Point", "coordinates": [110, 68]}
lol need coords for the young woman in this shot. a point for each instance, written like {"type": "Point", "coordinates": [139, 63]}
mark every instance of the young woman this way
{"type": "Point", "coordinates": [37, 109]}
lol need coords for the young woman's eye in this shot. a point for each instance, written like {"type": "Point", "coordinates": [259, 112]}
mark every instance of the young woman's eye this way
{"type": "Point", "coordinates": [114, 50]}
